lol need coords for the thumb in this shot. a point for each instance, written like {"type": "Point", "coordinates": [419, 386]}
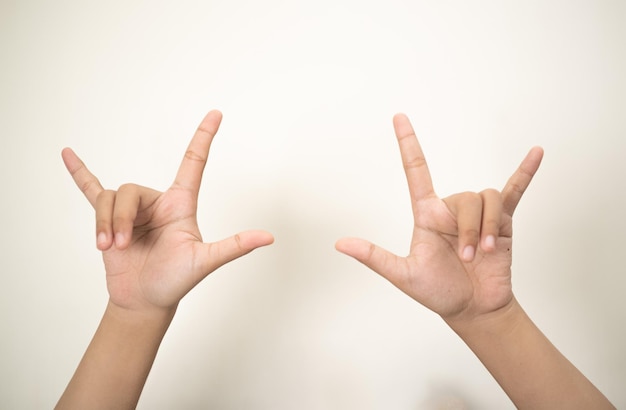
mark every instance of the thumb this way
{"type": "Point", "coordinates": [373, 256]}
{"type": "Point", "coordinates": [215, 254]}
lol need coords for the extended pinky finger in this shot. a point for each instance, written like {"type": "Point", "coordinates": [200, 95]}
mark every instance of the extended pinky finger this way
{"type": "Point", "coordinates": [84, 179]}
{"type": "Point", "coordinates": [519, 181]}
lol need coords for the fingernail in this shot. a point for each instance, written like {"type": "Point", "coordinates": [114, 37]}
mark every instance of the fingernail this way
{"type": "Point", "coordinates": [468, 253]}
{"type": "Point", "coordinates": [102, 239]}
{"type": "Point", "coordinates": [490, 242]}
{"type": "Point", "coordinates": [119, 239]}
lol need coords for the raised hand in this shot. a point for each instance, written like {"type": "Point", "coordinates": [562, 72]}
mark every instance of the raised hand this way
{"type": "Point", "coordinates": [459, 262]}
{"type": "Point", "coordinates": [152, 247]}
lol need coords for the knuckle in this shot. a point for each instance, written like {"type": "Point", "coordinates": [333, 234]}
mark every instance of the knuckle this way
{"type": "Point", "coordinates": [471, 234]}
{"type": "Point", "coordinates": [194, 156]}
{"type": "Point", "coordinates": [491, 192]}
{"type": "Point", "coordinates": [128, 187]}
{"type": "Point", "coordinates": [205, 130]}
{"type": "Point", "coordinates": [371, 251]}
{"type": "Point", "coordinates": [470, 198]}
{"type": "Point", "coordinates": [103, 225]}
{"type": "Point", "coordinates": [120, 221]}
{"type": "Point", "coordinates": [415, 162]}
{"type": "Point", "coordinates": [491, 225]}
{"type": "Point", "coordinates": [492, 199]}
{"type": "Point", "coordinates": [517, 188]}
{"type": "Point", "coordinates": [104, 196]}
{"type": "Point", "coordinates": [86, 185]}
{"type": "Point", "coordinates": [238, 241]}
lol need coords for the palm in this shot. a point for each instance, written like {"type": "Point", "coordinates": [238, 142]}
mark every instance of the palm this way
{"type": "Point", "coordinates": [437, 272]}
{"type": "Point", "coordinates": [441, 280]}
{"type": "Point", "coordinates": [159, 263]}
{"type": "Point", "coordinates": [152, 247]}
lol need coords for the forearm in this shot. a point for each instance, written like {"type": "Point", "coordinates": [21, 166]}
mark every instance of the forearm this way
{"type": "Point", "coordinates": [533, 373]}
{"type": "Point", "coordinates": [113, 371]}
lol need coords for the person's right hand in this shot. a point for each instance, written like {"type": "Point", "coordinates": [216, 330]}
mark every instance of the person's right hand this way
{"type": "Point", "coordinates": [152, 248]}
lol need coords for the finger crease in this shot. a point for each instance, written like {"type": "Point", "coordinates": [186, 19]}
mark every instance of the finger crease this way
{"type": "Point", "coordinates": [194, 156]}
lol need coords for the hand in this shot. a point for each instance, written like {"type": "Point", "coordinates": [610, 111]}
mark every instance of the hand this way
{"type": "Point", "coordinates": [152, 248]}
{"type": "Point", "coordinates": [459, 264]}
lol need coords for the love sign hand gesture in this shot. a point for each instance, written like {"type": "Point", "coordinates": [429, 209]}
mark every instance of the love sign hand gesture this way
{"type": "Point", "coordinates": [459, 263]}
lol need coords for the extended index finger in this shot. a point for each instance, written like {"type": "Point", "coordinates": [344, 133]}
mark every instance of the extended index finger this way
{"type": "Point", "coordinates": [84, 179]}
{"type": "Point", "coordinates": [519, 181]}
{"type": "Point", "coordinates": [413, 160]}
{"type": "Point", "coordinates": [191, 168]}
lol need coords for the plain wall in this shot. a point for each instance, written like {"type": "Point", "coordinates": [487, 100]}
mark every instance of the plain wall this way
{"type": "Point", "coordinates": [307, 151]}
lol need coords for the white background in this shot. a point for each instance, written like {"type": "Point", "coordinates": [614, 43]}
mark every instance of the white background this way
{"type": "Point", "coordinates": [307, 151]}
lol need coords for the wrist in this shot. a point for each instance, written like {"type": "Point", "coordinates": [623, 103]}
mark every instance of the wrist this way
{"type": "Point", "coordinates": [532, 372]}
{"type": "Point", "coordinates": [117, 362]}
{"type": "Point", "coordinates": [147, 317]}
{"type": "Point", "coordinates": [502, 321]}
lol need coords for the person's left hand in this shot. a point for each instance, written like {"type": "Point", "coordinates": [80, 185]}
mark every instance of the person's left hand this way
{"type": "Point", "coordinates": [459, 261]}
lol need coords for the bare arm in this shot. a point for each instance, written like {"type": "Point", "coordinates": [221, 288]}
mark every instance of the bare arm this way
{"type": "Point", "coordinates": [153, 254]}
{"type": "Point", "coordinates": [114, 369]}
{"type": "Point", "coordinates": [459, 266]}
{"type": "Point", "coordinates": [528, 367]}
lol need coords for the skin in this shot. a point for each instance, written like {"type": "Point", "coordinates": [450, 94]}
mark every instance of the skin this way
{"type": "Point", "coordinates": [153, 255]}
{"type": "Point", "coordinates": [459, 266]}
